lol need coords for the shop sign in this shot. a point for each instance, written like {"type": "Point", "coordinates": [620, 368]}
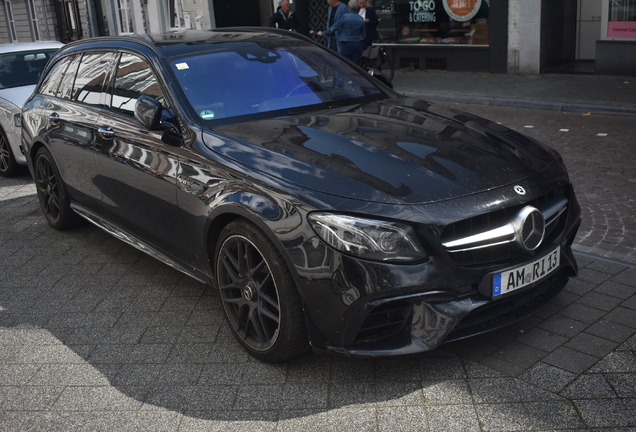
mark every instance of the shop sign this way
{"type": "Point", "coordinates": [422, 11]}
{"type": "Point", "coordinates": [461, 10]}
{"type": "Point", "coordinates": [621, 29]}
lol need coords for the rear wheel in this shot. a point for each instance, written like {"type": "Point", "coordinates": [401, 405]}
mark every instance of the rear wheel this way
{"type": "Point", "coordinates": [259, 297]}
{"type": "Point", "coordinates": [54, 199]}
{"type": "Point", "coordinates": [8, 165]}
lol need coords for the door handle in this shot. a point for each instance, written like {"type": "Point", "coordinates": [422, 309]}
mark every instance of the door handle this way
{"type": "Point", "coordinates": [106, 132]}
{"type": "Point", "coordinates": [54, 118]}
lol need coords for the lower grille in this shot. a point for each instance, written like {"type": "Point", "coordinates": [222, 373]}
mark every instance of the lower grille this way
{"type": "Point", "coordinates": [499, 313]}
{"type": "Point", "coordinates": [384, 321]}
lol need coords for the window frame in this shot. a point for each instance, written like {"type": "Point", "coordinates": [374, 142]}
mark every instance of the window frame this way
{"type": "Point", "coordinates": [33, 20]}
{"type": "Point", "coordinates": [8, 14]}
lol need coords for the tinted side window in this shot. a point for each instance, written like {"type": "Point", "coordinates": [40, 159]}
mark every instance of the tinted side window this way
{"type": "Point", "coordinates": [91, 76]}
{"type": "Point", "coordinates": [134, 79]}
{"type": "Point", "coordinates": [51, 82]}
{"type": "Point", "coordinates": [66, 86]}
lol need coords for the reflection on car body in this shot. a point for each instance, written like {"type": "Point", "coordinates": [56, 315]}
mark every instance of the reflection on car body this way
{"type": "Point", "coordinates": [326, 209]}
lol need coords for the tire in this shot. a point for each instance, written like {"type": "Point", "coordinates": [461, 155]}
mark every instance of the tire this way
{"type": "Point", "coordinates": [8, 165]}
{"type": "Point", "coordinates": [52, 193]}
{"type": "Point", "coordinates": [260, 300]}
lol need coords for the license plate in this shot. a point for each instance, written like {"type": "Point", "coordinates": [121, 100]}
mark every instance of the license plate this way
{"type": "Point", "coordinates": [520, 277]}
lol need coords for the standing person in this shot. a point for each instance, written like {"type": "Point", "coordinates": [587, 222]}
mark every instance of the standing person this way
{"type": "Point", "coordinates": [284, 18]}
{"type": "Point", "coordinates": [335, 11]}
{"type": "Point", "coordinates": [370, 22]}
{"type": "Point", "coordinates": [352, 32]}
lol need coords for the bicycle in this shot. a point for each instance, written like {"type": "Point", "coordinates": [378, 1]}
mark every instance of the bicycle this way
{"type": "Point", "coordinates": [375, 57]}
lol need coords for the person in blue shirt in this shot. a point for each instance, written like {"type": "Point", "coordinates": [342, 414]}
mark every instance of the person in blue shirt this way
{"type": "Point", "coordinates": [335, 11]}
{"type": "Point", "coordinates": [352, 33]}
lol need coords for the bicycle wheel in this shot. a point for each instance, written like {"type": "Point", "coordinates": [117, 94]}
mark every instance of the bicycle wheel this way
{"type": "Point", "coordinates": [387, 60]}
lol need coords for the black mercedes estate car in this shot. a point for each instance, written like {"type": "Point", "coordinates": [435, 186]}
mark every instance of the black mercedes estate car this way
{"type": "Point", "coordinates": [328, 210]}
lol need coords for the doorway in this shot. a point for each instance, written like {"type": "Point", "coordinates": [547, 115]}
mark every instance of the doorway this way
{"type": "Point", "coordinates": [69, 25]}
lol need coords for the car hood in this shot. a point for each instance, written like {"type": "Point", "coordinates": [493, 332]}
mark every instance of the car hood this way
{"type": "Point", "coordinates": [402, 151]}
{"type": "Point", "coordinates": [17, 95]}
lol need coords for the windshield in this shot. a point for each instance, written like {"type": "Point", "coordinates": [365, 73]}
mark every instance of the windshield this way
{"type": "Point", "coordinates": [23, 68]}
{"type": "Point", "coordinates": [251, 79]}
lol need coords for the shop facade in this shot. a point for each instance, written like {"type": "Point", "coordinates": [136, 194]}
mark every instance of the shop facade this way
{"type": "Point", "coordinates": [499, 36]}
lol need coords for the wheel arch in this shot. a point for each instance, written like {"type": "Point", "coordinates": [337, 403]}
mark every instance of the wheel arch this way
{"type": "Point", "coordinates": [231, 211]}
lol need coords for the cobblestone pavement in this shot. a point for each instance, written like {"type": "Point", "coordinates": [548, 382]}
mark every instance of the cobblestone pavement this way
{"type": "Point", "coordinates": [95, 335]}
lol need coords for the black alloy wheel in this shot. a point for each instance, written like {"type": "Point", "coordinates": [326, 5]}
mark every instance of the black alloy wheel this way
{"type": "Point", "coordinates": [258, 294]}
{"type": "Point", "coordinates": [54, 199]}
{"type": "Point", "coordinates": [8, 165]}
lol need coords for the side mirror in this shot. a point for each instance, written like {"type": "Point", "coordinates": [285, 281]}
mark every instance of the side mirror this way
{"type": "Point", "coordinates": [380, 77]}
{"type": "Point", "coordinates": [148, 112]}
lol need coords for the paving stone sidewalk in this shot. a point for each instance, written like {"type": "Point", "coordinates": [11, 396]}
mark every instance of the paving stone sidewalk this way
{"type": "Point", "coordinates": [95, 335]}
{"type": "Point", "coordinates": [555, 92]}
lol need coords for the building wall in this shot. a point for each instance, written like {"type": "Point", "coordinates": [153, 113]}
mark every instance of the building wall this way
{"type": "Point", "coordinates": [46, 20]}
{"type": "Point", "coordinates": [524, 36]}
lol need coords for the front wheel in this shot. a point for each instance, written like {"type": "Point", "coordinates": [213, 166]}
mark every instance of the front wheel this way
{"type": "Point", "coordinates": [54, 199]}
{"type": "Point", "coordinates": [259, 297]}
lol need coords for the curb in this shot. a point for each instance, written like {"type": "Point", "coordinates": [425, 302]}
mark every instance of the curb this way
{"type": "Point", "coordinates": [523, 103]}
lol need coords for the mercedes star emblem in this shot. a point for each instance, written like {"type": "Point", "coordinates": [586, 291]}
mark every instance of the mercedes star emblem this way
{"type": "Point", "coordinates": [520, 190]}
{"type": "Point", "coordinates": [529, 228]}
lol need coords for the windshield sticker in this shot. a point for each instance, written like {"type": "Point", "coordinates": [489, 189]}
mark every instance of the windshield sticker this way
{"type": "Point", "coordinates": [207, 114]}
{"type": "Point", "coordinates": [182, 66]}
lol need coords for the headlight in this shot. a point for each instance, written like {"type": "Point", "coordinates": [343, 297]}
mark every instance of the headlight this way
{"type": "Point", "coordinates": [367, 238]}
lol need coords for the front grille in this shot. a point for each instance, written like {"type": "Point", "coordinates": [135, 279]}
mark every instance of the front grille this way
{"type": "Point", "coordinates": [384, 321]}
{"type": "Point", "coordinates": [494, 252]}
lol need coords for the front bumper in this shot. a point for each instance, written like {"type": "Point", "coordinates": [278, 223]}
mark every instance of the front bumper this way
{"type": "Point", "coordinates": [362, 308]}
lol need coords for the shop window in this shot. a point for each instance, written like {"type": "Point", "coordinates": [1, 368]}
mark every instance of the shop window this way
{"type": "Point", "coordinates": [433, 21]}
{"type": "Point", "coordinates": [619, 18]}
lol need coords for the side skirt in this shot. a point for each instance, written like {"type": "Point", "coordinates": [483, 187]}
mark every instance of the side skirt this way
{"type": "Point", "coordinates": [139, 244]}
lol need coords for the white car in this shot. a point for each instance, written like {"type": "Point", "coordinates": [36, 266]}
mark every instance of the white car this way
{"type": "Point", "coordinates": [21, 65]}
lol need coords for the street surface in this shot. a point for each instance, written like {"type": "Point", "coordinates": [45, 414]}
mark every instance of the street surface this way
{"type": "Point", "coordinates": [96, 336]}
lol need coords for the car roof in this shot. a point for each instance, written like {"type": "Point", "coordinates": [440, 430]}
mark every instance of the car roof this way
{"type": "Point", "coordinates": [190, 41]}
{"type": "Point", "coordinates": [28, 46]}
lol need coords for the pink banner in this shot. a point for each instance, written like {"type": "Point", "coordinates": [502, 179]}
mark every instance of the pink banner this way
{"type": "Point", "coordinates": [621, 29]}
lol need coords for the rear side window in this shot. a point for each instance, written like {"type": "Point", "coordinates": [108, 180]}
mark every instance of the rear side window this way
{"type": "Point", "coordinates": [134, 78]}
{"type": "Point", "coordinates": [91, 75]}
{"type": "Point", "coordinates": [51, 82]}
{"type": "Point", "coordinates": [66, 85]}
